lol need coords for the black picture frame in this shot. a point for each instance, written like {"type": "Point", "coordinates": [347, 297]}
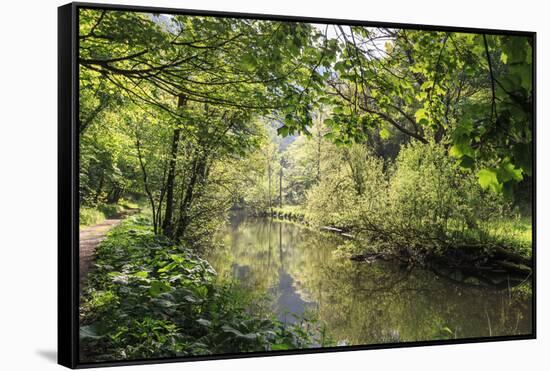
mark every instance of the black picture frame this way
{"type": "Point", "coordinates": [68, 201]}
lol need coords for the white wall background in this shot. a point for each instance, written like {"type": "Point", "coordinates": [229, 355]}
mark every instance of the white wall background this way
{"type": "Point", "coordinates": [28, 58]}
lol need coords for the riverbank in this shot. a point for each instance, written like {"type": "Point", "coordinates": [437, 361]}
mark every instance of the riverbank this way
{"type": "Point", "coordinates": [506, 252]}
{"type": "Point", "coordinates": [293, 214]}
{"type": "Point", "coordinates": [149, 296]}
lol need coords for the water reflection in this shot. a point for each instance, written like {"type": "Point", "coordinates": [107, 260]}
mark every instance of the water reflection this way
{"type": "Point", "coordinates": [361, 303]}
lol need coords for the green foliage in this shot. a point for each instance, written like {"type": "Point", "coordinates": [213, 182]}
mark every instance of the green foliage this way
{"type": "Point", "coordinates": [516, 232]}
{"type": "Point", "coordinates": [488, 180]}
{"type": "Point", "coordinates": [422, 201]}
{"type": "Point", "coordinates": [110, 210]}
{"type": "Point", "coordinates": [128, 204]}
{"type": "Point", "coordinates": [148, 297]}
{"type": "Point", "coordinates": [95, 215]}
{"type": "Point", "coordinates": [262, 168]}
{"type": "Point", "coordinates": [472, 91]}
{"type": "Point", "coordinates": [155, 125]}
{"type": "Point", "coordinates": [430, 197]}
{"type": "Point", "coordinates": [90, 216]}
{"type": "Point", "coordinates": [421, 145]}
{"type": "Point", "coordinates": [108, 168]}
{"type": "Point", "coordinates": [352, 178]}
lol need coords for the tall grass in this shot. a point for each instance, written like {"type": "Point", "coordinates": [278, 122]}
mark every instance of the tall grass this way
{"type": "Point", "coordinates": [95, 215]}
{"type": "Point", "coordinates": [90, 216]}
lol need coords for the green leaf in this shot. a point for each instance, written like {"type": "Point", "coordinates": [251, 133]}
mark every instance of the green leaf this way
{"type": "Point", "coordinates": [455, 151]}
{"type": "Point", "coordinates": [204, 322]}
{"type": "Point", "coordinates": [467, 162]}
{"type": "Point", "coordinates": [164, 303]}
{"type": "Point", "coordinates": [461, 149]}
{"type": "Point", "coordinates": [159, 287]}
{"type": "Point", "coordinates": [191, 299]}
{"type": "Point", "coordinates": [508, 172]}
{"type": "Point", "coordinates": [329, 136]}
{"type": "Point", "coordinates": [280, 347]}
{"type": "Point", "coordinates": [141, 274]}
{"type": "Point", "coordinates": [338, 110]}
{"type": "Point", "coordinates": [283, 131]}
{"type": "Point", "coordinates": [168, 267]}
{"type": "Point", "coordinates": [421, 116]}
{"type": "Point", "coordinates": [251, 336]}
{"type": "Point", "coordinates": [177, 258]}
{"type": "Point", "coordinates": [526, 75]}
{"type": "Point", "coordinates": [385, 133]}
{"type": "Point", "coordinates": [248, 62]}
{"type": "Point", "coordinates": [504, 57]}
{"type": "Point", "coordinates": [340, 66]}
{"type": "Point", "coordinates": [516, 48]}
{"type": "Point", "coordinates": [488, 180]}
{"type": "Point", "coordinates": [447, 330]}
{"type": "Point", "coordinates": [328, 122]}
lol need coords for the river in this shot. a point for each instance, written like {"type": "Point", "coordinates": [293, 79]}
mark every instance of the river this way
{"type": "Point", "coordinates": [361, 303]}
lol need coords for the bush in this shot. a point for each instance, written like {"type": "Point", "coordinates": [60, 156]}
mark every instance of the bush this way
{"type": "Point", "coordinates": [358, 179]}
{"type": "Point", "coordinates": [423, 199]}
{"type": "Point", "coordinates": [90, 216]}
{"type": "Point", "coordinates": [431, 198]}
{"type": "Point", "coordinates": [332, 203]}
{"type": "Point", "coordinates": [127, 204]}
{"type": "Point", "coordinates": [110, 210]}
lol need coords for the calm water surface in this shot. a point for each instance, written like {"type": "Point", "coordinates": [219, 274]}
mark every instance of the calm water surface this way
{"type": "Point", "coordinates": [361, 303]}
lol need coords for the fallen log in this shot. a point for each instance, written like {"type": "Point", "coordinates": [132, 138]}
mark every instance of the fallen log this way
{"type": "Point", "coordinates": [513, 267]}
{"type": "Point", "coordinates": [370, 257]}
{"type": "Point", "coordinates": [501, 253]}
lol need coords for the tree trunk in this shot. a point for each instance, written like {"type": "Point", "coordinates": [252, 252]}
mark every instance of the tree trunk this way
{"type": "Point", "coordinates": [167, 225]}
{"type": "Point", "coordinates": [269, 183]}
{"type": "Point", "coordinates": [115, 195]}
{"type": "Point", "coordinates": [146, 184]}
{"type": "Point", "coordinates": [198, 175]}
{"type": "Point", "coordinates": [281, 185]}
{"type": "Point", "coordinates": [99, 187]}
{"type": "Point", "coordinates": [319, 139]}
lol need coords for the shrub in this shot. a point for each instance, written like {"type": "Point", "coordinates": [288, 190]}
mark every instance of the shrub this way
{"type": "Point", "coordinates": [358, 179]}
{"type": "Point", "coordinates": [110, 210]}
{"type": "Point", "coordinates": [128, 204]}
{"type": "Point", "coordinates": [423, 199]}
{"type": "Point", "coordinates": [432, 197]}
{"type": "Point", "coordinates": [90, 216]}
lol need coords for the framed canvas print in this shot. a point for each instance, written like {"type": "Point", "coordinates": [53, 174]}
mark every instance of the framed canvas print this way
{"type": "Point", "coordinates": [236, 185]}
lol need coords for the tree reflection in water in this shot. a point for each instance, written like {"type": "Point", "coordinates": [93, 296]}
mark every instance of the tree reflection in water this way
{"type": "Point", "coordinates": [361, 303]}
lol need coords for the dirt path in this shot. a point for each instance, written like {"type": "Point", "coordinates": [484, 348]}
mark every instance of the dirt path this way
{"type": "Point", "coordinates": [91, 237]}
